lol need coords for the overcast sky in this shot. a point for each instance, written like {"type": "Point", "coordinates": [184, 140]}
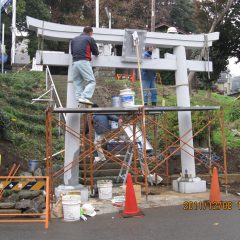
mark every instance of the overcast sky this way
{"type": "Point", "coordinates": [233, 67]}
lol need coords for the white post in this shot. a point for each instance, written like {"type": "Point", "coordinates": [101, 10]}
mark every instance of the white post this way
{"type": "Point", "coordinates": [13, 32]}
{"type": "Point", "coordinates": [97, 13]}
{"type": "Point", "coordinates": [46, 78]}
{"type": "Point", "coordinates": [184, 118]}
{"type": "Point", "coordinates": [110, 20]}
{"type": "Point", "coordinates": [72, 144]}
{"type": "Point", "coordinates": [153, 16]}
{"type": "Point", "coordinates": [3, 47]}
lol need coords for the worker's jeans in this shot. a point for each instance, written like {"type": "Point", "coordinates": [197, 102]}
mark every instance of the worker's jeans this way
{"type": "Point", "coordinates": [83, 79]}
{"type": "Point", "coordinates": [97, 142]}
{"type": "Point", "coordinates": [149, 85]}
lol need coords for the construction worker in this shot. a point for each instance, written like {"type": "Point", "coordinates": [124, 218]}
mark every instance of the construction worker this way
{"type": "Point", "coordinates": [101, 127]}
{"type": "Point", "coordinates": [82, 47]}
{"type": "Point", "coordinates": [149, 80]}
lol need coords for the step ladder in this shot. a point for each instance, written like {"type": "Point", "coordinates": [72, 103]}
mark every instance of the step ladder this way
{"type": "Point", "coordinates": [128, 161]}
{"type": "Point", "coordinates": [128, 128]}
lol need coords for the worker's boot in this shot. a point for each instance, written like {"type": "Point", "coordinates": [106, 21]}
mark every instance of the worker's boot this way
{"type": "Point", "coordinates": [154, 104]}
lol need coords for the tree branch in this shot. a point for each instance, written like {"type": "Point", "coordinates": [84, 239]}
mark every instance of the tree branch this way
{"type": "Point", "coordinates": [215, 23]}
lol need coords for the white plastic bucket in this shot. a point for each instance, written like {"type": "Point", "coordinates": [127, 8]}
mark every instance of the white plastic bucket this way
{"type": "Point", "coordinates": [71, 208]}
{"type": "Point", "coordinates": [62, 189]}
{"type": "Point", "coordinates": [114, 125]}
{"type": "Point", "coordinates": [127, 97]}
{"type": "Point", "coordinates": [104, 189]}
{"type": "Point", "coordinates": [116, 101]}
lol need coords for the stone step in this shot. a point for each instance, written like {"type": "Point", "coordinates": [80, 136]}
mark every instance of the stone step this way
{"type": "Point", "coordinates": [60, 82]}
{"type": "Point", "coordinates": [101, 173]}
{"type": "Point", "coordinates": [88, 180]}
{"type": "Point", "coordinates": [10, 211]}
{"type": "Point", "coordinates": [113, 178]}
{"type": "Point", "coordinates": [109, 165]}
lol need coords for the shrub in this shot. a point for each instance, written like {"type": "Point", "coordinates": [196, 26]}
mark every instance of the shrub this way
{"type": "Point", "coordinates": [235, 112]}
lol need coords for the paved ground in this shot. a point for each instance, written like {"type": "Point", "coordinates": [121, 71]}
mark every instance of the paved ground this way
{"type": "Point", "coordinates": [163, 223]}
{"type": "Point", "coordinates": [163, 197]}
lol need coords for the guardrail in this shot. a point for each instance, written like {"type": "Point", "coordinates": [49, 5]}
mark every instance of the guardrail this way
{"type": "Point", "coordinates": [27, 183]}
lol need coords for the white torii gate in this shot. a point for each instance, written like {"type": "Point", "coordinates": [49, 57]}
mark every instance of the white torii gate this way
{"type": "Point", "coordinates": [177, 62]}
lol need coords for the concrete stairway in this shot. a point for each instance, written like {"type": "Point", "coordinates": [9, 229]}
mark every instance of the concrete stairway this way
{"type": "Point", "coordinates": [100, 96]}
{"type": "Point", "coordinates": [60, 82]}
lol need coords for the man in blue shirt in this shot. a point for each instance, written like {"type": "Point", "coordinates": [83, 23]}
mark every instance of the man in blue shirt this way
{"type": "Point", "coordinates": [149, 80]}
{"type": "Point", "coordinates": [101, 127]}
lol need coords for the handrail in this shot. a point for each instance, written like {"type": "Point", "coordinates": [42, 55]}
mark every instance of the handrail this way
{"type": "Point", "coordinates": [59, 103]}
{"type": "Point", "coordinates": [56, 154]}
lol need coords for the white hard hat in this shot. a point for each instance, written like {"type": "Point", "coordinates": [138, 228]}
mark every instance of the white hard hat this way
{"type": "Point", "coordinates": [89, 210]}
{"type": "Point", "coordinates": [172, 30]}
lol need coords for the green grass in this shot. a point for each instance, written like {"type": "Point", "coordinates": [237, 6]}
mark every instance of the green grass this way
{"type": "Point", "coordinates": [27, 121]}
{"type": "Point", "coordinates": [27, 128]}
{"type": "Point", "coordinates": [201, 98]}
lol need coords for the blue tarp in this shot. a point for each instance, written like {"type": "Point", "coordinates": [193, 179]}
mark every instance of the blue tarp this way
{"type": "Point", "coordinates": [5, 58]}
{"type": "Point", "coordinates": [5, 4]}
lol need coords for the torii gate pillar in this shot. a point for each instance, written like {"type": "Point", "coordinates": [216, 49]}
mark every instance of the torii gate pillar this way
{"type": "Point", "coordinates": [183, 184]}
{"type": "Point", "coordinates": [72, 144]}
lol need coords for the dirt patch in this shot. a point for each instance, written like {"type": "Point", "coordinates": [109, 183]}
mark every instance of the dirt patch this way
{"type": "Point", "coordinates": [9, 156]}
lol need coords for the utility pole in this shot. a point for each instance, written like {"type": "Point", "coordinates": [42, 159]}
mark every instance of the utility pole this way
{"type": "Point", "coordinates": [13, 31]}
{"type": "Point", "coordinates": [109, 15]}
{"type": "Point", "coordinates": [3, 47]}
{"type": "Point", "coordinates": [1, 29]}
{"type": "Point", "coordinates": [153, 17]}
{"type": "Point", "coordinates": [97, 13]}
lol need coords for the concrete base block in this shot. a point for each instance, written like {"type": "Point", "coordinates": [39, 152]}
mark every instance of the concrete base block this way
{"type": "Point", "coordinates": [189, 187]}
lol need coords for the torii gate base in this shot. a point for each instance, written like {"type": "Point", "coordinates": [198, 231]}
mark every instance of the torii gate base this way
{"type": "Point", "coordinates": [196, 186]}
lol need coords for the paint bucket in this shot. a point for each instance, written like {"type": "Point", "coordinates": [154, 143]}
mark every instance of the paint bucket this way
{"type": "Point", "coordinates": [104, 189]}
{"type": "Point", "coordinates": [33, 165]}
{"type": "Point", "coordinates": [116, 101]}
{"type": "Point", "coordinates": [127, 97]}
{"type": "Point", "coordinates": [71, 207]}
{"type": "Point", "coordinates": [62, 189]}
{"type": "Point", "coordinates": [114, 125]}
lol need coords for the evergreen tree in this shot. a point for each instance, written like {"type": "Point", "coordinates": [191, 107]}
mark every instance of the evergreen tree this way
{"type": "Point", "coordinates": [181, 15]}
{"type": "Point", "coordinates": [228, 44]}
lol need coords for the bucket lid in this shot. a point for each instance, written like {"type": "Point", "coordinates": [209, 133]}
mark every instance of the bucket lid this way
{"type": "Point", "coordinates": [127, 93]}
{"type": "Point", "coordinates": [104, 183]}
{"type": "Point", "coordinates": [126, 90]}
{"type": "Point", "coordinates": [71, 198]}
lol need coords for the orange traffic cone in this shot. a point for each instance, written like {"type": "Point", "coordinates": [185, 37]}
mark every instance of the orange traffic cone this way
{"type": "Point", "coordinates": [215, 189]}
{"type": "Point", "coordinates": [131, 209]}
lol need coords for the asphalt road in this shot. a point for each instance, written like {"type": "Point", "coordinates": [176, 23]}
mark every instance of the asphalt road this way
{"type": "Point", "coordinates": [164, 223]}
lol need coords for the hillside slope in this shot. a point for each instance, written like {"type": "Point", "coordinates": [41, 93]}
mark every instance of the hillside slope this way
{"type": "Point", "coordinates": [24, 122]}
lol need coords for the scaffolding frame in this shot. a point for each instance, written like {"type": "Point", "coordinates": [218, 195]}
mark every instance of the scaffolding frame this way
{"type": "Point", "coordinates": [156, 119]}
